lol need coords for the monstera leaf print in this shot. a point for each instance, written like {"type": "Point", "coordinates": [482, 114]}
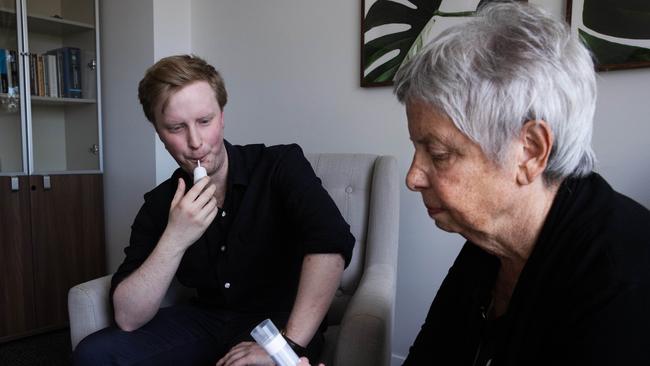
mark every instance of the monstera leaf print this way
{"type": "Point", "coordinates": [616, 32]}
{"type": "Point", "coordinates": [608, 54]}
{"type": "Point", "coordinates": [419, 18]}
{"type": "Point", "coordinates": [621, 18]}
{"type": "Point", "coordinates": [385, 12]}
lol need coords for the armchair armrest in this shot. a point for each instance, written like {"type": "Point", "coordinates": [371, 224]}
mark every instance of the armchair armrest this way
{"type": "Point", "coordinates": [89, 309]}
{"type": "Point", "coordinates": [365, 334]}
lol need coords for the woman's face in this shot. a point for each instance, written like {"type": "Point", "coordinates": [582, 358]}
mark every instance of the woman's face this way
{"type": "Point", "coordinates": [463, 190]}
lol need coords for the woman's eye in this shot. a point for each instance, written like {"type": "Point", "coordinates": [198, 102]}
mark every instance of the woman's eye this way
{"type": "Point", "coordinates": [439, 156]}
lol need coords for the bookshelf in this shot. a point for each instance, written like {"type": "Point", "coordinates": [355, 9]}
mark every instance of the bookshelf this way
{"type": "Point", "coordinates": [51, 216]}
{"type": "Point", "coordinates": [53, 61]}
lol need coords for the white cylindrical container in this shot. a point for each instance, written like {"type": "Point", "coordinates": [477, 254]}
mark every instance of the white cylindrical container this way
{"type": "Point", "coordinates": [199, 172]}
{"type": "Point", "coordinates": [268, 336]}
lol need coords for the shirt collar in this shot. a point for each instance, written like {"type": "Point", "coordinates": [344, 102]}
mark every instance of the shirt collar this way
{"type": "Point", "coordinates": [237, 169]}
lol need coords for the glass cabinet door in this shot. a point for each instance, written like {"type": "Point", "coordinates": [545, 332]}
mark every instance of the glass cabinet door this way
{"type": "Point", "coordinates": [12, 130]}
{"type": "Point", "coordinates": [62, 71]}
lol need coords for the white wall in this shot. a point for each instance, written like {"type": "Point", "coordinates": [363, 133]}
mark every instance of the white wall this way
{"type": "Point", "coordinates": [291, 69]}
{"type": "Point", "coordinates": [129, 150]}
{"type": "Point", "coordinates": [133, 36]}
{"type": "Point", "coordinates": [171, 36]}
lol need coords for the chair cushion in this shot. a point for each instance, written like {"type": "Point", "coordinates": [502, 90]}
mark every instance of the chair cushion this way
{"type": "Point", "coordinates": [348, 180]}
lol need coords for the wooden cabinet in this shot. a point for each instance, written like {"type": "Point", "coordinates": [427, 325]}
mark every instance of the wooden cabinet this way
{"type": "Point", "coordinates": [51, 239]}
{"type": "Point", "coordinates": [51, 194]}
{"type": "Point", "coordinates": [67, 233]}
{"type": "Point", "coordinates": [17, 313]}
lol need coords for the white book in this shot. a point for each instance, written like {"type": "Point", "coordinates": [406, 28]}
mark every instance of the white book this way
{"type": "Point", "coordinates": [10, 82]}
{"type": "Point", "coordinates": [52, 76]}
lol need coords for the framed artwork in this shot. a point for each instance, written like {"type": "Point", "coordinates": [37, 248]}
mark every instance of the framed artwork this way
{"type": "Point", "coordinates": [616, 32]}
{"type": "Point", "coordinates": [392, 31]}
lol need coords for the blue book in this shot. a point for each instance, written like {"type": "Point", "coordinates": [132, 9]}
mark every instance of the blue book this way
{"type": "Point", "coordinates": [75, 64]}
{"type": "Point", "coordinates": [69, 67]}
{"type": "Point", "coordinates": [13, 69]}
{"type": "Point", "coordinates": [4, 76]}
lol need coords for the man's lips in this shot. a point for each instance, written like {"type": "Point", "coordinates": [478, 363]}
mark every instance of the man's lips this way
{"type": "Point", "coordinates": [194, 160]}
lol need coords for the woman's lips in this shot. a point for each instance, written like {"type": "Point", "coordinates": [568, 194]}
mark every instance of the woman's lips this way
{"type": "Point", "coordinates": [434, 210]}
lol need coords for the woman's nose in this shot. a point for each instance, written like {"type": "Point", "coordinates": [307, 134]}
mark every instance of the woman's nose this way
{"type": "Point", "coordinates": [416, 179]}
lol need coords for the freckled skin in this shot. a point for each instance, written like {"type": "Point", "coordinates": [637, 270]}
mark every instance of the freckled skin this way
{"type": "Point", "coordinates": [463, 190]}
{"type": "Point", "coordinates": [191, 127]}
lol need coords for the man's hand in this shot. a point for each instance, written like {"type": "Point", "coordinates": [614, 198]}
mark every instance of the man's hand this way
{"type": "Point", "coordinates": [305, 362]}
{"type": "Point", "coordinates": [190, 214]}
{"type": "Point", "coordinates": [137, 298]}
{"type": "Point", "coordinates": [246, 353]}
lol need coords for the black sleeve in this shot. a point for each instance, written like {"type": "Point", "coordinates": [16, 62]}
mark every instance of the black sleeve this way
{"type": "Point", "coordinates": [426, 347]}
{"type": "Point", "coordinates": [613, 328]}
{"type": "Point", "coordinates": [451, 332]}
{"type": "Point", "coordinates": [148, 226]}
{"type": "Point", "coordinates": [317, 219]}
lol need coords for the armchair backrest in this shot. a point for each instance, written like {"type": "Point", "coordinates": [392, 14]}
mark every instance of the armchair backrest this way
{"type": "Point", "coordinates": [363, 188]}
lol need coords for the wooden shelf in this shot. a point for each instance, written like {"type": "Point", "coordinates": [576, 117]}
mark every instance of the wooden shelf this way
{"type": "Point", "coordinates": [48, 24]}
{"type": "Point", "coordinates": [55, 101]}
{"type": "Point", "coordinates": [61, 101]}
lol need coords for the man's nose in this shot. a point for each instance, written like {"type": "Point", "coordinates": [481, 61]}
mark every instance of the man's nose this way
{"type": "Point", "coordinates": [194, 138]}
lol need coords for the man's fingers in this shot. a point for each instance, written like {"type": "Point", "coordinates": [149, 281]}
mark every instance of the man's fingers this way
{"type": "Point", "coordinates": [245, 353]}
{"type": "Point", "coordinates": [205, 195]}
{"type": "Point", "coordinates": [232, 356]}
{"type": "Point", "coordinates": [180, 191]}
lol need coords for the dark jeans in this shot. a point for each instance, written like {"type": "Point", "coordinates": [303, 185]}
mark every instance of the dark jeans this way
{"type": "Point", "coordinates": [177, 335]}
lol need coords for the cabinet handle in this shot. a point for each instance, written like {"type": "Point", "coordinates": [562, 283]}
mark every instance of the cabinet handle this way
{"type": "Point", "coordinates": [92, 64]}
{"type": "Point", "coordinates": [94, 149]}
{"type": "Point", "coordinates": [15, 184]}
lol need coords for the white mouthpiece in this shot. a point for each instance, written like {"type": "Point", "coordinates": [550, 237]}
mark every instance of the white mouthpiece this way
{"type": "Point", "coordinates": [199, 172]}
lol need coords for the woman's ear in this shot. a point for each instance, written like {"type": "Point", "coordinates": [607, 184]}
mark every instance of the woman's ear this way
{"type": "Point", "coordinates": [536, 140]}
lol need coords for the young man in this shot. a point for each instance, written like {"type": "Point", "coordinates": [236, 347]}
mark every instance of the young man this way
{"type": "Point", "coordinates": [258, 238]}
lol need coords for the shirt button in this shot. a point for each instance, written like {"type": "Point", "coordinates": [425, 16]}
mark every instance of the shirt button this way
{"type": "Point", "coordinates": [227, 285]}
{"type": "Point", "coordinates": [223, 213]}
{"type": "Point", "coordinates": [223, 248]}
{"type": "Point", "coordinates": [348, 189]}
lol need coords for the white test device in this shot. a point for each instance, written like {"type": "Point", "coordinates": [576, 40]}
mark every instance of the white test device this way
{"type": "Point", "coordinates": [199, 172]}
{"type": "Point", "coordinates": [268, 336]}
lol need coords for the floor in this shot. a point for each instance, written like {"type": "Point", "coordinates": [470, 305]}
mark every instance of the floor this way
{"type": "Point", "coordinates": [51, 349]}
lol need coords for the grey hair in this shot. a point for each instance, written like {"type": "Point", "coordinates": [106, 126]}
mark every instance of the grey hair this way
{"type": "Point", "coordinates": [510, 64]}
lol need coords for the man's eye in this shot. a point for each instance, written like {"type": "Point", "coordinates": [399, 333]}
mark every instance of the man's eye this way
{"type": "Point", "coordinates": [174, 128]}
{"type": "Point", "coordinates": [205, 121]}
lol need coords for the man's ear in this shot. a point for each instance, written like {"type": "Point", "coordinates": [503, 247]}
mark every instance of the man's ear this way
{"type": "Point", "coordinates": [536, 140]}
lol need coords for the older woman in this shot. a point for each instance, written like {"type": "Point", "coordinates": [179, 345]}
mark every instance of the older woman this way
{"type": "Point", "coordinates": [556, 268]}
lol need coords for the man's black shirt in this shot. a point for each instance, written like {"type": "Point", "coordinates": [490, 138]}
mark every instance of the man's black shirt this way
{"type": "Point", "coordinates": [249, 259]}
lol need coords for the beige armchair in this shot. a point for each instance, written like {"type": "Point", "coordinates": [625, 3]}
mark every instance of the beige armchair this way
{"type": "Point", "coordinates": [366, 190]}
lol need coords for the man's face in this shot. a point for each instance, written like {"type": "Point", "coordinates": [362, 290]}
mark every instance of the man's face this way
{"type": "Point", "coordinates": [191, 127]}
